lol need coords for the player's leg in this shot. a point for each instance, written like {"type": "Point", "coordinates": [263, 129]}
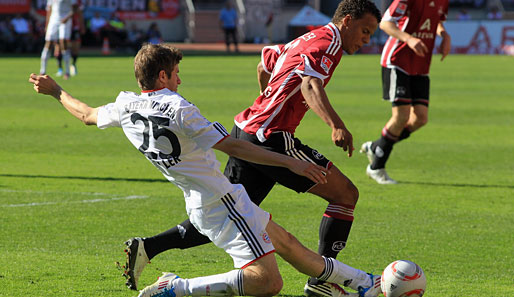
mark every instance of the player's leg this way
{"type": "Point", "coordinates": [396, 87]}
{"type": "Point", "coordinates": [325, 268]}
{"type": "Point", "coordinates": [419, 113]}
{"type": "Point", "coordinates": [238, 226]}
{"type": "Point", "coordinates": [58, 57]}
{"type": "Point", "coordinates": [51, 37]}
{"type": "Point", "coordinates": [64, 42]}
{"type": "Point", "coordinates": [45, 54]}
{"type": "Point", "coordinates": [75, 48]}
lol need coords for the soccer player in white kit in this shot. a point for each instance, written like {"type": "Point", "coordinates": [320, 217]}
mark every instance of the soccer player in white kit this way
{"type": "Point", "coordinates": [59, 15]}
{"type": "Point", "coordinates": [177, 139]}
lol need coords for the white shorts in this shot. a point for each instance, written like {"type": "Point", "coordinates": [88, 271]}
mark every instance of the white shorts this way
{"type": "Point", "coordinates": [56, 31]}
{"type": "Point", "coordinates": [235, 224]}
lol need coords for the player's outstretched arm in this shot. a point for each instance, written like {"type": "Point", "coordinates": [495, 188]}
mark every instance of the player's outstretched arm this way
{"type": "Point", "coordinates": [44, 84]}
{"type": "Point", "coordinates": [317, 99]}
{"type": "Point", "coordinates": [247, 151]}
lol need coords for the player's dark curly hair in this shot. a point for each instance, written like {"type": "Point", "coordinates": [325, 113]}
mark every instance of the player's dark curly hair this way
{"type": "Point", "coordinates": [356, 9]}
{"type": "Point", "coordinates": [151, 59]}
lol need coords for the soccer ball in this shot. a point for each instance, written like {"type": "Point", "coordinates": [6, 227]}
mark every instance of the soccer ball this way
{"type": "Point", "coordinates": [403, 278]}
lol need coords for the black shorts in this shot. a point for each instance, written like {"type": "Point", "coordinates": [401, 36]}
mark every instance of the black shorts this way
{"type": "Point", "coordinates": [258, 180]}
{"type": "Point", "coordinates": [403, 89]}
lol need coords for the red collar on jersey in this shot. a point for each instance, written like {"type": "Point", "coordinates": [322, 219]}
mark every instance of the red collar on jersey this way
{"type": "Point", "coordinates": [149, 91]}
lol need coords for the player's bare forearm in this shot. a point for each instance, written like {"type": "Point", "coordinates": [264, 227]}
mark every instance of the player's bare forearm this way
{"type": "Point", "coordinates": [445, 46]}
{"type": "Point", "coordinates": [391, 29]}
{"type": "Point", "coordinates": [44, 84]}
{"type": "Point", "coordinates": [317, 99]}
{"type": "Point", "coordinates": [416, 44]}
{"type": "Point", "coordinates": [245, 150]}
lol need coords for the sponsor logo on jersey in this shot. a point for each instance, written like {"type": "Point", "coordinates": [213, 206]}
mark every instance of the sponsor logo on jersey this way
{"type": "Point", "coordinates": [317, 155]}
{"type": "Point", "coordinates": [431, 4]}
{"type": "Point", "coordinates": [265, 237]}
{"type": "Point", "coordinates": [338, 246]}
{"type": "Point", "coordinates": [326, 64]}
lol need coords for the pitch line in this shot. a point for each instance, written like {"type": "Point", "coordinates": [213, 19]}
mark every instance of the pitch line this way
{"type": "Point", "coordinates": [112, 198]}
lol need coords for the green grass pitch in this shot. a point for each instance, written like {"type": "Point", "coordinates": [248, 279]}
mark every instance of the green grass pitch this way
{"type": "Point", "coordinates": [70, 195]}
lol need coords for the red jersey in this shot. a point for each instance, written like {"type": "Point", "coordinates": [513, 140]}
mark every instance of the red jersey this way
{"type": "Point", "coordinates": [281, 106]}
{"type": "Point", "coordinates": [419, 18]}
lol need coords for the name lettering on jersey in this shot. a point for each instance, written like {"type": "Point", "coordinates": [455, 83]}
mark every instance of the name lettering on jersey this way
{"type": "Point", "coordinates": [326, 64]}
{"type": "Point", "coordinates": [167, 163]}
{"type": "Point", "coordinates": [308, 36]}
{"type": "Point", "coordinates": [426, 25]}
{"type": "Point", "coordinates": [164, 108]}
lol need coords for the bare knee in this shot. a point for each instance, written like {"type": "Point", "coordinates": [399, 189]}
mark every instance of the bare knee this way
{"type": "Point", "coordinates": [400, 119]}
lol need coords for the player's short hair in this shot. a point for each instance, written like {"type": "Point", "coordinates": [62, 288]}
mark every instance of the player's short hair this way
{"type": "Point", "coordinates": [151, 59]}
{"type": "Point", "coordinates": [356, 9]}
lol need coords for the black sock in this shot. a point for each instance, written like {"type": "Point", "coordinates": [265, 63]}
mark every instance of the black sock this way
{"type": "Point", "coordinates": [74, 59]}
{"type": "Point", "coordinates": [333, 234]}
{"type": "Point", "coordinates": [182, 236]}
{"type": "Point", "coordinates": [405, 134]}
{"type": "Point", "coordinates": [59, 61]}
{"type": "Point", "coordinates": [382, 148]}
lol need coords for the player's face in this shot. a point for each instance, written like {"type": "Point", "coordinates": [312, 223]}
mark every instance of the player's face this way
{"type": "Point", "coordinates": [358, 32]}
{"type": "Point", "coordinates": [173, 82]}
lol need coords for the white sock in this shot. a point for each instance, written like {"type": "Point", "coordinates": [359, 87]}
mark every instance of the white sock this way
{"type": "Point", "coordinates": [225, 284]}
{"type": "Point", "coordinates": [45, 54]}
{"type": "Point", "coordinates": [340, 273]}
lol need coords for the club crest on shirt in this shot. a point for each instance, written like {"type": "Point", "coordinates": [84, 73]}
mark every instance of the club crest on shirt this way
{"type": "Point", "coordinates": [401, 8]}
{"type": "Point", "coordinates": [265, 237]}
{"type": "Point", "coordinates": [326, 64]}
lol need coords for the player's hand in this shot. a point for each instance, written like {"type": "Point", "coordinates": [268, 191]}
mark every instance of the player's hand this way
{"type": "Point", "coordinates": [445, 46]}
{"type": "Point", "coordinates": [343, 138]}
{"type": "Point", "coordinates": [418, 46]}
{"type": "Point", "coordinates": [312, 171]}
{"type": "Point", "coordinates": [44, 84]}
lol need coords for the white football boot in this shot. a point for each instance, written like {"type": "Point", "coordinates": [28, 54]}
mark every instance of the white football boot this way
{"type": "Point", "coordinates": [163, 287]}
{"type": "Point", "coordinates": [366, 148]}
{"type": "Point", "coordinates": [380, 176]}
{"type": "Point", "coordinates": [325, 289]}
{"type": "Point", "coordinates": [136, 261]}
{"type": "Point", "coordinates": [374, 290]}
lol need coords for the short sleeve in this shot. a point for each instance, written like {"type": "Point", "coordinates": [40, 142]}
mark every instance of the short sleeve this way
{"type": "Point", "coordinates": [199, 129]}
{"type": "Point", "coordinates": [396, 10]}
{"type": "Point", "coordinates": [269, 56]}
{"type": "Point", "coordinates": [108, 116]}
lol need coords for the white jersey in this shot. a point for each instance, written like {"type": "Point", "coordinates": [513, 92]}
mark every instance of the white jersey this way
{"type": "Point", "coordinates": [175, 138]}
{"type": "Point", "coordinates": [60, 9]}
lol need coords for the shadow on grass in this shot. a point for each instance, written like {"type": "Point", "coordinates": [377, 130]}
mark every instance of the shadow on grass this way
{"type": "Point", "coordinates": [144, 180]}
{"type": "Point", "coordinates": [458, 185]}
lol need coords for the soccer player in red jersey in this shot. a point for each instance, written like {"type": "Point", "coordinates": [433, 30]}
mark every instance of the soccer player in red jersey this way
{"type": "Point", "coordinates": [412, 26]}
{"type": "Point", "coordinates": [298, 73]}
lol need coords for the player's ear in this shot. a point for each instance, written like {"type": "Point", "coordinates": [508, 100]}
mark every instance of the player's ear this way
{"type": "Point", "coordinates": [347, 20]}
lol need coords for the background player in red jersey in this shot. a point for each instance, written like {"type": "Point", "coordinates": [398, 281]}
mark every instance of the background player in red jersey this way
{"type": "Point", "coordinates": [299, 71]}
{"type": "Point", "coordinates": [412, 26]}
